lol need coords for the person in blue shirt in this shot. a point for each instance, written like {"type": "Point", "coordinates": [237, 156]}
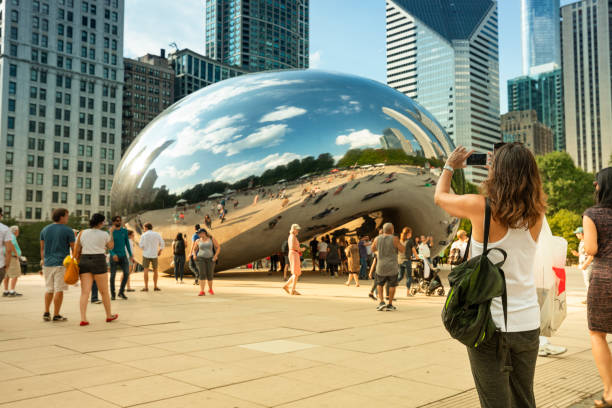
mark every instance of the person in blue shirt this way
{"type": "Point", "coordinates": [119, 257]}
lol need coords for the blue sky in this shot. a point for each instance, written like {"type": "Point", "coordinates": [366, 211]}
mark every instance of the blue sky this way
{"type": "Point", "coordinates": [345, 35]}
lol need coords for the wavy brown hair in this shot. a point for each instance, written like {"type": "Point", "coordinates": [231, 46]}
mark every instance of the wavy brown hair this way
{"type": "Point", "coordinates": [514, 187]}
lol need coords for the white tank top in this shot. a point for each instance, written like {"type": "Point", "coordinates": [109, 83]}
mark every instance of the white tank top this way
{"type": "Point", "coordinates": [523, 307]}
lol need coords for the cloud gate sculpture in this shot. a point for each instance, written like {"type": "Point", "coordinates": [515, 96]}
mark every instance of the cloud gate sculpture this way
{"type": "Point", "coordinates": [279, 148]}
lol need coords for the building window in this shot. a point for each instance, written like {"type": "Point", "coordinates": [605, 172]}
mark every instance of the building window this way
{"type": "Point", "coordinates": [9, 158]}
{"type": "Point", "coordinates": [8, 176]}
{"type": "Point", "coordinates": [10, 140]}
{"type": "Point", "coordinates": [8, 194]}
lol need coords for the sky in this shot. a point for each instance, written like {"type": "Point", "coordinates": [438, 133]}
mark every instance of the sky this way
{"type": "Point", "coordinates": [345, 35]}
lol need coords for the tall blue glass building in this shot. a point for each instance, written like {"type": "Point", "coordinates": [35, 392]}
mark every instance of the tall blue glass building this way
{"type": "Point", "coordinates": [258, 35]}
{"type": "Point", "coordinates": [541, 34]}
{"type": "Point", "coordinates": [444, 54]}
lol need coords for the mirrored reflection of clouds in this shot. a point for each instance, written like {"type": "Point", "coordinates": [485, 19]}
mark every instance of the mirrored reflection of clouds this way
{"type": "Point", "coordinates": [283, 113]}
{"type": "Point", "coordinates": [359, 139]}
{"type": "Point", "coordinates": [237, 171]}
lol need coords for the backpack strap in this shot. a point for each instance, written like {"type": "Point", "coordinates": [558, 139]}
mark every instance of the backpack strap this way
{"type": "Point", "coordinates": [487, 226]}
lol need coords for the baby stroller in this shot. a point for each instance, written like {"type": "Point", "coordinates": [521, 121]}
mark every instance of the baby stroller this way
{"type": "Point", "coordinates": [425, 279]}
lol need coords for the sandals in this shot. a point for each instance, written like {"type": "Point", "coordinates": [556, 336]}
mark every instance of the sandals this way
{"type": "Point", "coordinates": [286, 290]}
{"type": "Point", "coordinates": [295, 292]}
{"type": "Point", "coordinates": [604, 404]}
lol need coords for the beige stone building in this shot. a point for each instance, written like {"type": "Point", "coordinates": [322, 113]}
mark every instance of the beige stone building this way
{"type": "Point", "coordinates": [524, 127]}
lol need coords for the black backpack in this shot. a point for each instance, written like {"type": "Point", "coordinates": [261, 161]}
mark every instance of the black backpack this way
{"type": "Point", "coordinates": [474, 283]}
{"type": "Point", "coordinates": [179, 247]}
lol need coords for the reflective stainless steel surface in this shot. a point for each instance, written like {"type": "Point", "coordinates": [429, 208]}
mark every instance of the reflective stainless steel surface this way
{"type": "Point", "coordinates": [247, 125]}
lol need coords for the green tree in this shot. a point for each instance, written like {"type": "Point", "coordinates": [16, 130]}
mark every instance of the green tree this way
{"type": "Point", "coordinates": [566, 186]}
{"type": "Point", "coordinates": [563, 224]}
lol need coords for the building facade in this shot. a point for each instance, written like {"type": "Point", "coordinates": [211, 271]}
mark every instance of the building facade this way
{"type": "Point", "coordinates": [148, 89]}
{"type": "Point", "coordinates": [193, 71]}
{"type": "Point", "coordinates": [258, 35]}
{"type": "Point", "coordinates": [585, 32]}
{"type": "Point", "coordinates": [524, 127]}
{"type": "Point", "coordinates": [445, 56]}
{"type": "Point", "coordinates": [61, 73]}
{"type": "Point", "coordinates": [540, 33]}
{"type": "Point", "coordinates": [543, 93]}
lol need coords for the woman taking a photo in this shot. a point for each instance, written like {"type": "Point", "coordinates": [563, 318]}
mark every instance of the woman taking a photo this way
{"type": "Point", "coordinates": [206, 252]}
{"type": "Point", "coordinates": [597, 226]}
{"type": "Point", "coordinates": [178, 249]}
{"type": "Point", "coordinates": [90, 250]}
{"type": "Point", "coordinates": [518, 204]}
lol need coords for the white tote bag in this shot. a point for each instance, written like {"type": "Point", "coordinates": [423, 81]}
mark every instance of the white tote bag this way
{"type": "Point", "coordinates": [549, 273]}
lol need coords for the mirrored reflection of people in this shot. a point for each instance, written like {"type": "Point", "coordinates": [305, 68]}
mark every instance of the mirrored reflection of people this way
{"type": "Point", "coordinates": [354, 265]}
{"type": "Point", "coordinates": [13, 272]}
{"type": "Point", "coordinates": [206, 252]}
{"type": "Point", "coordinates": [256, 199]}
{"type": "Point", "coordinates": [294, 260]}
{"type": "Point", "coordinates": [208, 221]}
{"type": "Point", "coordinates": [598, 244]}
{"type": "Point", "coordinates": [518, 205]}
{"type": "Point", "coordinates": [387, 246]}
{"type": "Point", "coordinates": [56, 242]}
{"type": "Point", "coordinates": [584, 260]}
{"type": "Point", "coordinates": [90, 250]}
{"type": "Point", "coordinates": [151, 244]}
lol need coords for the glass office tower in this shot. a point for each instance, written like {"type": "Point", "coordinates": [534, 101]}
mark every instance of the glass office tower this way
{"type": "Point", "coordinates": [541, 35]}
{"type": "Point", "coordinates": [544, 94]}
{"type": "Point", "coordinates": [445, 56]}
{"type": "Point", "coordinates": [258, 35]}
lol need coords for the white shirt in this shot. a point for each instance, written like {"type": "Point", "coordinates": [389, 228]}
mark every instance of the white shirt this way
{"type": "Point", "coordinates": [322, 246]}
{"type": "Point", "coordinates": [424, 250]}
{"type": "Point", "coordinates": [5, 236]}
{"type": "Point", "coordinates": [151, 242]}
{"type": "Point", "coordinates": [461, 245]}
{"type": "Point", "coordinates": [93, 241]}
{"type": "Point", "coordinates": [523, 307]}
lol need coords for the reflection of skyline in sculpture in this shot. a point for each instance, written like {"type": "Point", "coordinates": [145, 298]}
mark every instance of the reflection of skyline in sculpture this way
{"type": "Point", "coordinates": [252, 124]}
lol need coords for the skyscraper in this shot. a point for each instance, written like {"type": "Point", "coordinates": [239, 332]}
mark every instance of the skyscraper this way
{"type": "Point", "coordinates": [148, 90]}
{"type": "Point", "coordinates": [540, 33]}
{"type": "Point", "coordinates": [61, 70]}
{"type": "Point", "coordinates": [544, 94]}
{"type": "Point", "coordinates": [258, 35]}
{"type": "Point", "coordinates": [586, 42]}
{"type": "Point", "coordinates": [444, 54]}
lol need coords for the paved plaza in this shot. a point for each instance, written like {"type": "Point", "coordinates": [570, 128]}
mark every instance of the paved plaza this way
{"type": "Point", "coordinates": [251, 345]}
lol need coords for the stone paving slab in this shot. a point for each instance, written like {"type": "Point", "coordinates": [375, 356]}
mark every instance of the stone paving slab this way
{"type": "Point", "coordinates": [251, 345]}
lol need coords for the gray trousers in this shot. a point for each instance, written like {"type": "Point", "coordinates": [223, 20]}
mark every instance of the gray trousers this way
{"type": "Point", "coordinates": [504, 375]}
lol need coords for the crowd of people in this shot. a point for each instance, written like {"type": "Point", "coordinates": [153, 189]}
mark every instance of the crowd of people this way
{"type": "Point", "coordinates": [503, 367]}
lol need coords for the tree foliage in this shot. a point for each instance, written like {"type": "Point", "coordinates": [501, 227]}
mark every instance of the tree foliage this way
{"type": "Point", "coordinates": [370, 156]}
{"type": "Point", "coordinates": [566, 186]}
{"type": "Point", "coordinates": [563, 224]}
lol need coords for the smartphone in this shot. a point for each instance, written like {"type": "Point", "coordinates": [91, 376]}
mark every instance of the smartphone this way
{"type": "Point", "coordinates": [477, 159]}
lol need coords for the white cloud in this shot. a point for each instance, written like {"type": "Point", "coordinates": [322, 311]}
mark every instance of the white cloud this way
{"type": "Point", "coordinates": [315, 59]}
{"type": "Point", "coordinates": [173, 173]}
{"type": "Point", "coordinates": [218, 132]}
{"type": "Point", "coordinates": [266, 136]}
{"type": "Point", "coordinates": [237, 171]}
{"type": "Point", "coordinates": [282, 113]}
{"type": "Point", "coordinates": [359, 139]}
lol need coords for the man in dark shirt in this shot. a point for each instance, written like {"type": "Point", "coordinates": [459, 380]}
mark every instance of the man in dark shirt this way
{"type": "Point", "coordinates": [363, 257]}
{"type": "Point", "coordinates": [118, 257]}
{"type": "Point", "coordinates": [314, 248]}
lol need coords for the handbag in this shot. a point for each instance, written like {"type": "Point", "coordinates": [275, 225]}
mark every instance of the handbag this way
{"type": "Point", "coordinates": [71, 275]}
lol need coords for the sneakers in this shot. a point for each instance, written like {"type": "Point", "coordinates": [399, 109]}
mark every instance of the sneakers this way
{"type": "Point", "coordinates": [391, 308]}
{"type": "Point", "coordinates": [59, 318]}
{"type": "Point", "coordinates": [157, 289]}
{"type": "Point", "coordinates": [210, 291]}
{"type": "Point", "coordinates": [550, 350]}
{"type": "Point", "coordinates": [381, 306]}
{"type": "Point", "coordinates": [96, 302]}
{"type": "Point", "coordinates": [14, 294]}
{"type": "Point", "coordinates": [5, 293]}
{"type": "Point", "coordinates": [47, 317]}
{"type": "Point", "coordinates": [201, 294]}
